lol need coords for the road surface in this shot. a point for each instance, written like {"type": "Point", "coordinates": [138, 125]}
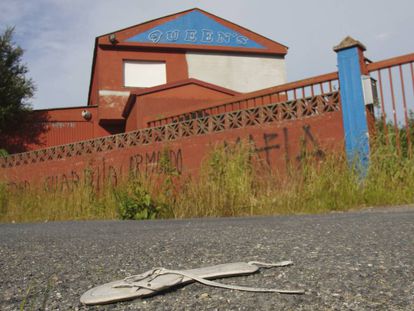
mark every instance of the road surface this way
{"type": "Point", "coordinates": [344, 261]}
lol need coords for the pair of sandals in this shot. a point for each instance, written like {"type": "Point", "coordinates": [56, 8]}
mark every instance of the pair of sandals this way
{"type": "Point", "coordinates": [160, 279]}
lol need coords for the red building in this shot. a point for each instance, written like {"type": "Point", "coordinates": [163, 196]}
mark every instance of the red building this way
{"type": "Point", "coordinates": [171, 65]}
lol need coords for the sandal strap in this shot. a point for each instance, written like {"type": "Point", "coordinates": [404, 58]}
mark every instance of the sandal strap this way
{"type": "Point", "coordinates": [144, 280]}
{"type": "Point", "coordinates": [234, 287]}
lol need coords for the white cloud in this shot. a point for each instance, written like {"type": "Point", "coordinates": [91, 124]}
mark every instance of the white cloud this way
{"type": "Point", "coordinates": [58, 35]}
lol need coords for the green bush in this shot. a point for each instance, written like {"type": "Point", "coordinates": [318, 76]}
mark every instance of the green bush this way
{"type": "Point", "coordinates": [135, 202]}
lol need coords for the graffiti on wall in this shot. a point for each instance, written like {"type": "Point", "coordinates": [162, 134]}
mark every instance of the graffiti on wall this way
{"type": "Point", "coordinates": [309, 142]}
{"type": "Point", "coordinates": [152, 162]}
{"type": "Point", "coordinates": [95, 176]}
{"type": "Point", "coordinates": [19, 185]}
{"type": "Point", "coordinates": [273, 148]}
{"type": "Point", "coordinates": [272, 144]}
{"type": "Point", "coordinates": [99, 174]}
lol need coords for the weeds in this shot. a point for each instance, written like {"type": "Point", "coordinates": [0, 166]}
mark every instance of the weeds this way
{"type": "Point", "coordinates": [239, 187]}
{"type": "Point", "coordinates": [135, 202]}
{"type": "Point", "coordinates": [38, 204]}
{"type": "Point", "coordinates": [25, 298]}
{"type": "Point", "coordinates": [232, 182]}
{"type": "Point", "coordinates": [150, 196]}
{"type": "Point", "coordinates": [36, 294]}
{"type": "Point", "coordinates": [225, 186]}
{"type": "Point", "coordinates": [4, 197]}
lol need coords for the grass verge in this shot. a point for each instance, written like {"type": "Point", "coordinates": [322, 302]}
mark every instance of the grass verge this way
{"type": "Point", "coordinates": [232, 182]}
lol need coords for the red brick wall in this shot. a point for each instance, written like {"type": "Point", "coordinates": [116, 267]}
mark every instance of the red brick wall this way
{"type": "Point", "coordinates": [277, 143]}
{"type": "Point", "coordinates": [63, 126]}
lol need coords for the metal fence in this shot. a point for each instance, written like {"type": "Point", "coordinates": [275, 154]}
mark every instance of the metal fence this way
{"type": "Point", "coordinates": [395, 111]}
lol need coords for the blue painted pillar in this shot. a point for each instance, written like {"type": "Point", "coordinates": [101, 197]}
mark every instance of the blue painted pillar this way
{"type": "Point", "coordinates": [351, 66]}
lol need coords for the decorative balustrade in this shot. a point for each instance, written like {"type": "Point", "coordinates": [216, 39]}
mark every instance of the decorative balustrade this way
{"type": "Point", "coordinates": [275, 112]}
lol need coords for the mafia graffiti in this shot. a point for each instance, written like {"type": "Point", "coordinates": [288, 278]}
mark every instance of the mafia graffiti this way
{"type": "Point", "coordinates": [272, 145]}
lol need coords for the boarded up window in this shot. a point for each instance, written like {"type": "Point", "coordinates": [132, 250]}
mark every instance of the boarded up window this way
{"type": "Point", "coordinates": [144, 74]}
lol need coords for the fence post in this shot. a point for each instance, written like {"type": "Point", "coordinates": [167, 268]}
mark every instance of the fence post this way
{"type": "Point", "coordinates": [351, 66]}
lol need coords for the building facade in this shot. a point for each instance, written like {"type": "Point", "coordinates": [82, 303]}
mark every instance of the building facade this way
{"type": "Point", "coordinates": [170, 65]}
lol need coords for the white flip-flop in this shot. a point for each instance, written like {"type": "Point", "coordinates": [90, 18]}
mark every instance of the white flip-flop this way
{"type": "Point", "coordinates": [160, 279]}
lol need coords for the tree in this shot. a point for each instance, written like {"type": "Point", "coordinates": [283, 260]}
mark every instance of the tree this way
{"type": "Point", "coordinates": [15, 88]}
{"type": "Point", "coordinates": [15, 92]}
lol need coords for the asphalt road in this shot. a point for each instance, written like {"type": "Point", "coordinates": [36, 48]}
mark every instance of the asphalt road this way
{"type": "Point", "coordinates": [344, 261]}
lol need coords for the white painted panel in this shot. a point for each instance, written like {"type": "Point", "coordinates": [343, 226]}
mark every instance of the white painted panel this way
{"type": "Point", "coordinates": [144, 74]}
{"type": "Point", "coordinates": [241, 73]}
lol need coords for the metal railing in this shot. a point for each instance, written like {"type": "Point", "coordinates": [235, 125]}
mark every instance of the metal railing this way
{"type": "Point", "coordinates": [395, 82]}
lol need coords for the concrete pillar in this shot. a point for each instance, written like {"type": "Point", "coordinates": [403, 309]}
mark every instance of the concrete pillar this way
{"type": "Point", "coordinates": [351, 66]}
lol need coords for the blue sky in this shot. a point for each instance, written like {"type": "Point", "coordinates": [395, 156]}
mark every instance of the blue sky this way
{"type": "Point", "coordinates": [58, 35]}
